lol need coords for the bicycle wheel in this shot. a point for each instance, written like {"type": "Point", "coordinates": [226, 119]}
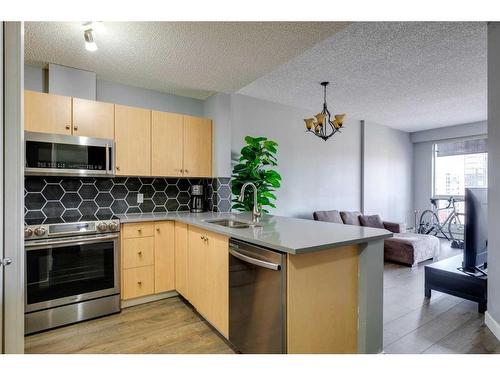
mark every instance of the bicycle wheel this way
{"type": "Point", "coordinates": [455, 229]}
{"type": "Point", "coordinates": [429, 223]}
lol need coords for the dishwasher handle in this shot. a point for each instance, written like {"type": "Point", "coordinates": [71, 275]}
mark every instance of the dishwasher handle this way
{"type": "Point", "coordinates": [256, 262]}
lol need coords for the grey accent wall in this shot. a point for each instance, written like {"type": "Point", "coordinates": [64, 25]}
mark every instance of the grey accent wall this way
{"type": "Point", "coordinates": [35, 79]}
{"type": "Point", "coordinates": [67, 81]}
{"type": "Point", "coordinates": [218, 108]}
{"type": "Point", "coordinates": [124, 94]}
{"type": "Point", "coordinates": [494, 172]}
{"type": "Point", "coordinates": [387, 173]}
{"type": "Point", "coordinates": [317, 175]}
{"type": "Point", "coordinates": [449, 132]}
{"type": "Point", "coordinates": [137, 97]}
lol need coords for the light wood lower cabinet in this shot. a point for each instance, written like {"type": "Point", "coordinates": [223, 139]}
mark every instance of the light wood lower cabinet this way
{"type": "Point", "coordinates": [164, 256]}
{"type": "Point", "coordinates": [147, 253]}
{"type": "Point", "coordinates": [208, 276]}
{"type": "Point", "coordinates": [181, 259]}
{"type": "Point", "coordinates": [138, 282]}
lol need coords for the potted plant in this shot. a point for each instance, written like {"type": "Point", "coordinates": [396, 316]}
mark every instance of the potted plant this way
{"type": "Point", "coordinates": [256, 163]}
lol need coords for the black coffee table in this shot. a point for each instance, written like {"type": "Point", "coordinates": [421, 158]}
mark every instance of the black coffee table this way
{"type": "Point", "coordinates": [445, 277]}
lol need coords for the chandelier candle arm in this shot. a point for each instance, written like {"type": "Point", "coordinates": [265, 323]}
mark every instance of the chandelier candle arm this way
{"type": "Point", "coordinates": [322, 125]}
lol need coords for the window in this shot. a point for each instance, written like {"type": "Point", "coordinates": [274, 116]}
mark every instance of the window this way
{"type": "Point", "coordinates": [459, 165]}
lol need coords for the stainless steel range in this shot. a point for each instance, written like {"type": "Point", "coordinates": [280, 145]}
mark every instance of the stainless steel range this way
{"type": "Point", "coordinates": [72, 273]}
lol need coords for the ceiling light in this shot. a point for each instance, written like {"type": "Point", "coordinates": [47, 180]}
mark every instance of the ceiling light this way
{"type": "Point", "coordinates": [96, 26]}
{"type": "Point", "coordinates": [322, 125]}
{"type": "Point", "coordinates": [89, 40]}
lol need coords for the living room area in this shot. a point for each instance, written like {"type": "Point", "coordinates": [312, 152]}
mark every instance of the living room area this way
{"type": "Point", "coordinates": [415, 137]}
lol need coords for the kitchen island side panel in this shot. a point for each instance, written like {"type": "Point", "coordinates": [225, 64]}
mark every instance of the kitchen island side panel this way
{"type": "Point", "coordinates": [322, 297]}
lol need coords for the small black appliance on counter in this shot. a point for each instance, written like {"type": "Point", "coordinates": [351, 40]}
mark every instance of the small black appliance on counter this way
{"type": "Point", "coordinates": [198, 199]}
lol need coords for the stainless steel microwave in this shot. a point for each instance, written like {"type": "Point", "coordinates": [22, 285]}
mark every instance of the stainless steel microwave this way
{"type": "Point", "coordinates": [68, 155]}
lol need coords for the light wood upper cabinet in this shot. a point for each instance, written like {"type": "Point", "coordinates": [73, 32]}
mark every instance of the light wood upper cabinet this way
{"type": "Point", "coordinates": [167, 144]}
{"type": "Point", "coordinates": [133, 141]}
{"type": "Point", "coordinates": [197, 147]}
{"type": "Point", "coordinates": [93, 119]}
{"type": "Point", "coordinates": [164, 256]}
{"type": "Point", "coordinates": [181, 259]}
{"type": "Point", "coordinates": [47, 113]}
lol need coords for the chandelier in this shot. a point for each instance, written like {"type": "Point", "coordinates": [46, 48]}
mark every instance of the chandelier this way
{"type": "Point", "coordinates": [322, 125]}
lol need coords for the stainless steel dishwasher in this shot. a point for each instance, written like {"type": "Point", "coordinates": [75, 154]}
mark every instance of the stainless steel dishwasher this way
{"type": "Point", "coordinates": [257, 298]}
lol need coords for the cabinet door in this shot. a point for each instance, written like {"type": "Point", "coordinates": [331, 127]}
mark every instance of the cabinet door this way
{"type": "Point", "coordinates": [181, 259]}
{"type": "Point", "coordinates": [217, 283]}
{"type": "Point", "coordinates": [166, 130]}
{"type": "Point", "coordinates": [133, 141]}
{"type": "Point", "coordinates": [197, 263]}
{"type": "Point", "coordinates": [47, 113]}
{"type": "Point", "coordinates": [138, 282]}
{"type": "Point", "coordinates": [93, 119]}
{"type": "Point", "coordinates": [197, 147]}
{"type": "Point", "coordinates": [164, 256]}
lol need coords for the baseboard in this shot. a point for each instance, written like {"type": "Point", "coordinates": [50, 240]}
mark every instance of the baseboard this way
{"type": "Point", "coordinates": [146, 299]}
{"type": "Point", "coordinates": [492, 324]}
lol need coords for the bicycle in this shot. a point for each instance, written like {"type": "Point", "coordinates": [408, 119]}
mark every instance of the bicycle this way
{"type": "Point", "coordinates": [430, 223]}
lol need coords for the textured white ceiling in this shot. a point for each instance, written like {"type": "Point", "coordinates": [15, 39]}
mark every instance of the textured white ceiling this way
{"type": "Point", "coordinates": [191, 59]}
{"type": "Point", "coordinates": [410, 75]}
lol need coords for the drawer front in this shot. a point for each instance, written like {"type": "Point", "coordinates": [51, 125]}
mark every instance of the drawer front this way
{"type": "Point", "coordinates": [138, 282]}
{"type": "Point", "coordinates": [137, 230]}
{"type": "Point", "coordinates": [138, 252]}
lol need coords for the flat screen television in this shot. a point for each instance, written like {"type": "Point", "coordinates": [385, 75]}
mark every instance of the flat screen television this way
{"type": "Point", "coordinates": [476, 229]}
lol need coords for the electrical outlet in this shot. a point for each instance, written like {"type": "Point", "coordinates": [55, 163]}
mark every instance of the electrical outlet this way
{"type": "Point", "coordinates": [140, 198]}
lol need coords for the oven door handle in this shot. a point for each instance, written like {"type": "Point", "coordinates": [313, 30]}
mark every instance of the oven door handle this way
{"type": "Point", "coordinates": [34, 245]}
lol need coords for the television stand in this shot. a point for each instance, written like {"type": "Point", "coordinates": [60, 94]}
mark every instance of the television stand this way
{"type": "Point", "coordinates": [445, 276]}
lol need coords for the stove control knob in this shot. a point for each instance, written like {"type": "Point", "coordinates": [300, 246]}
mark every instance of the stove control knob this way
{"type": "Point", "coordinates": [40, 231]}
{"type": "Point", "coordinates": [102, 226]}
{"type": "Point", "coordinates": [28, 232]}
{"type": "Point", "coordinates": [113, 226]}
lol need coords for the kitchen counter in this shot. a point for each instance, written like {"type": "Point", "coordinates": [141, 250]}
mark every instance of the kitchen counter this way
{"type": "Point", "coordinates": [286, 234]}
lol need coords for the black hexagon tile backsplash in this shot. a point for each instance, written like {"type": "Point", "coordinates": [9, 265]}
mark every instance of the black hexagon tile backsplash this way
{"type": "Point", "coordinates": [56, 199]}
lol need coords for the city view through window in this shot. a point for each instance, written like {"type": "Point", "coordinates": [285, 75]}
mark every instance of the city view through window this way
{"type": "Point", "coordinates": [457, 168]}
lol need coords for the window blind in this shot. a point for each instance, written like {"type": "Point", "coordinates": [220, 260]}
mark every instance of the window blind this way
{"type": "Point", "coordinates": [470, 146]}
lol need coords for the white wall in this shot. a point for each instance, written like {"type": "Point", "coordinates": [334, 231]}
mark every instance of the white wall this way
{"type": "Point", "coordinates": [493, 312]}
{"type": "Point", "coordinates": [450, 132]}
{"type": "Point", "coordinates": [387, 173]}
{"type": "Point", "coordinates": [317, 175]}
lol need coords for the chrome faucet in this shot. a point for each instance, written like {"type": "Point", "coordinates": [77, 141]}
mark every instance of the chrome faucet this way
{"type": "Point", "coordinates": [255, 212]}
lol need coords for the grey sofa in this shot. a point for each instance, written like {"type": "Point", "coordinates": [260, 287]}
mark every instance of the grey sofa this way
{"type": "Point", "coordinates": [406, 248]}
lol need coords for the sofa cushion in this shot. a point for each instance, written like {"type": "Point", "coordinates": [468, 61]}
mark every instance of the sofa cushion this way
{"type": "Point", "coordinates": [350, 217]}
{"type": "Point", "coordinates": [373, 221]}
{"type": "Point", "coordinates": [332, 216]}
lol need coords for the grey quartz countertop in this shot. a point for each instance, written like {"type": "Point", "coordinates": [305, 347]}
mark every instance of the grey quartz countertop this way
{"type": "Point", "coordinates": [286, 234]}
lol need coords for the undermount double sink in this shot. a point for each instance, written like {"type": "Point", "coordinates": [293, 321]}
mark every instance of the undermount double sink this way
{"type": "Point", "coordinates": [232, 223]}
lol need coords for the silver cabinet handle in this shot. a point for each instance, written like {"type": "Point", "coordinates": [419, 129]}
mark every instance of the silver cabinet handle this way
{"type": "Point", "coordinates": [5, 262]}
{"type": "Point", "coordinates": [256, 262]}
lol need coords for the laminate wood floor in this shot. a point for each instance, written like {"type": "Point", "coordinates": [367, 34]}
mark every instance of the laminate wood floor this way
{"type": "Point", "coordinates": [442, 324]}
{"type": "Point", "coordinates": [166, 326]}
{"type": "Point", "coordinates": [412, 324]}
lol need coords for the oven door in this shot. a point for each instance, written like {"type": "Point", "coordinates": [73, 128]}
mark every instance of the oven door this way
{"type": "Point", "coordinates": [56, 154]}
{"type": "Point", "coordinates": [69, 270]}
